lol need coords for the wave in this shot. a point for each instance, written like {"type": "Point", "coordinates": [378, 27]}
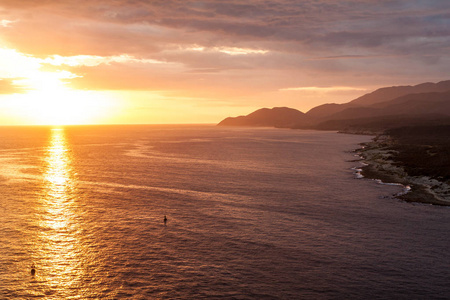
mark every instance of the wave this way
{"type": "Point", "coordinates": [358, 175]}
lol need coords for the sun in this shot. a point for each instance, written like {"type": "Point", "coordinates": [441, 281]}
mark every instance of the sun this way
{"type": "Point", "coordinates": [50, 102]}
{"type": "Point", "coordinates": [42, 94]}
{"type": "Point", "coordinates": [64, 107]}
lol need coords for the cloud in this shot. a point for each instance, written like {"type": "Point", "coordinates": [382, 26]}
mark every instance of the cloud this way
{"type": "Point", "coordinates": [228, 50]}
{"type": "Point", "coordinates": [146, 27]}
{"type": "Point", "coordinates": [5, 23]}
{"type": "Point", "coordinates": [92, 60]}
{"type": "Point", "coordinates": [16, 65]}
{"type": "Point", "coordinates": [217, 46]}
{"type": "Point", "coordinates": [9, 86]}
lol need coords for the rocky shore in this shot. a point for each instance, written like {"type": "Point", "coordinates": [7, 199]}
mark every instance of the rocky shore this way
{"type": "Point", "coordinates": [381, 156]}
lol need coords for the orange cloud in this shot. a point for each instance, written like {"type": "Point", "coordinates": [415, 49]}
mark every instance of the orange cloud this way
{"type": "Point", "coordinates": [7, 86]}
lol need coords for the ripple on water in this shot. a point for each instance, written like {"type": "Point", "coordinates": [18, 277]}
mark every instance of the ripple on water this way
{"type": "Point", "coordinates": [252, 214]}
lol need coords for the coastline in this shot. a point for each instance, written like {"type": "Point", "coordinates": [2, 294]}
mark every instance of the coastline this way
{"type": "Point", "coordinates": [379, 158]}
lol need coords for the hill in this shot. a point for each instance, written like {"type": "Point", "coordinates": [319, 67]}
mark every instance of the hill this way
{"type": "Point", "coordinates": [390, 107]}
{"type": "Point", "coordinates": [378, 96]}
{"type": "Point", "coordinates": [414, 109]}
{"type": "Point", "coordinates": [280, 117]}
{"type": "Point", "coordinates": [412, 104]}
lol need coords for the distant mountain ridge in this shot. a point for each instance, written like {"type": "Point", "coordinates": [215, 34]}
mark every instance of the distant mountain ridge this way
{"type": "Point", "coordinates": [412, 104]}
{"type": "Point", "coordinates": [377, 96]}
{"type": "Point", "coordinates": [390, 93]}
{"type": "Point", "coordinates": [417, 104]}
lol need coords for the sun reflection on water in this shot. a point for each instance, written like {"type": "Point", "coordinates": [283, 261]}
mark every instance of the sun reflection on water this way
{"type": "Point", "coordinates": [59, 248]}
{"type": "Point", "coordinates": [58, 162]}
{"type": "Point", "coordinates": [59, 181]}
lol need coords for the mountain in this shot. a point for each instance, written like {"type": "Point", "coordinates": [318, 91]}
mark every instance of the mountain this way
{"type": "Point", "coordinates": [390, 93]}
{"type": "Point", "coordinates": [412, 104]}
{"type": "Point", "coordinates": [281, 117]}
{"type": "Point", "coordinates": [378, 96]}
{"type": "Point", "coordinates": [324, 110]}
{"type": "Point", "coordinates": [427, 103]}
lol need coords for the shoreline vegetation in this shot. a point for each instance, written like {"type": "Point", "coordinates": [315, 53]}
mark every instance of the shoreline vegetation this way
{"type": "Point", "coordinates": [415, 157]}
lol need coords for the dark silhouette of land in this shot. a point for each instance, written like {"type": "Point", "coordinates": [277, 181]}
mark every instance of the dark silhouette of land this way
{"type": "Point", "coordinates": [423, 150]}
{"type": "Point", "coordinates": [280, 117]}
{"type": "Point", "coordinates": [418, 156]}
{"type": "Point", "coordinates": [374, 112]}
{"type": "Point", "coordinates": [382, 95]}
{"type": "Point", "coordinates": [412, 128]}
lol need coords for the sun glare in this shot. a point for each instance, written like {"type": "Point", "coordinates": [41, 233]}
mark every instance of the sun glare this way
{"type": "Point", "coordinates": [50, 102]}
{"type": "Point", "coordinates": [62, 107]}
{"type": "Point", "coordinates": [46, 98]}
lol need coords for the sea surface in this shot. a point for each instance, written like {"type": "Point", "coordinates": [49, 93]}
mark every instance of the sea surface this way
{"type": "Point", "coordinates": [252, 214]}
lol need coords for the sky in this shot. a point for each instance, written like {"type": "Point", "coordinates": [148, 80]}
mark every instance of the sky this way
{"type": "Point", "coordinates": [185, 61]}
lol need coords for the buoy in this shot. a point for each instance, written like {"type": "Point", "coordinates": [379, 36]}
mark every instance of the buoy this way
{"type": "Point", "coordinates": [33, 270]}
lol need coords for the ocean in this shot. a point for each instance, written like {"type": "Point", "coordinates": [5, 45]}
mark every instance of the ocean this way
{"type": "Point", "coordinates": [251, 214]}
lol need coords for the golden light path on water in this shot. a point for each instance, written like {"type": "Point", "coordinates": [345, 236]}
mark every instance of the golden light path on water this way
{"type": "Point", "coordinates": [59, 251]}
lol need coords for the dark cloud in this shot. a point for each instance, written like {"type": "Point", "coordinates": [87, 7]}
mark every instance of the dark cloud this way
{"type": "Point", "coordinates": [321, 23]}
